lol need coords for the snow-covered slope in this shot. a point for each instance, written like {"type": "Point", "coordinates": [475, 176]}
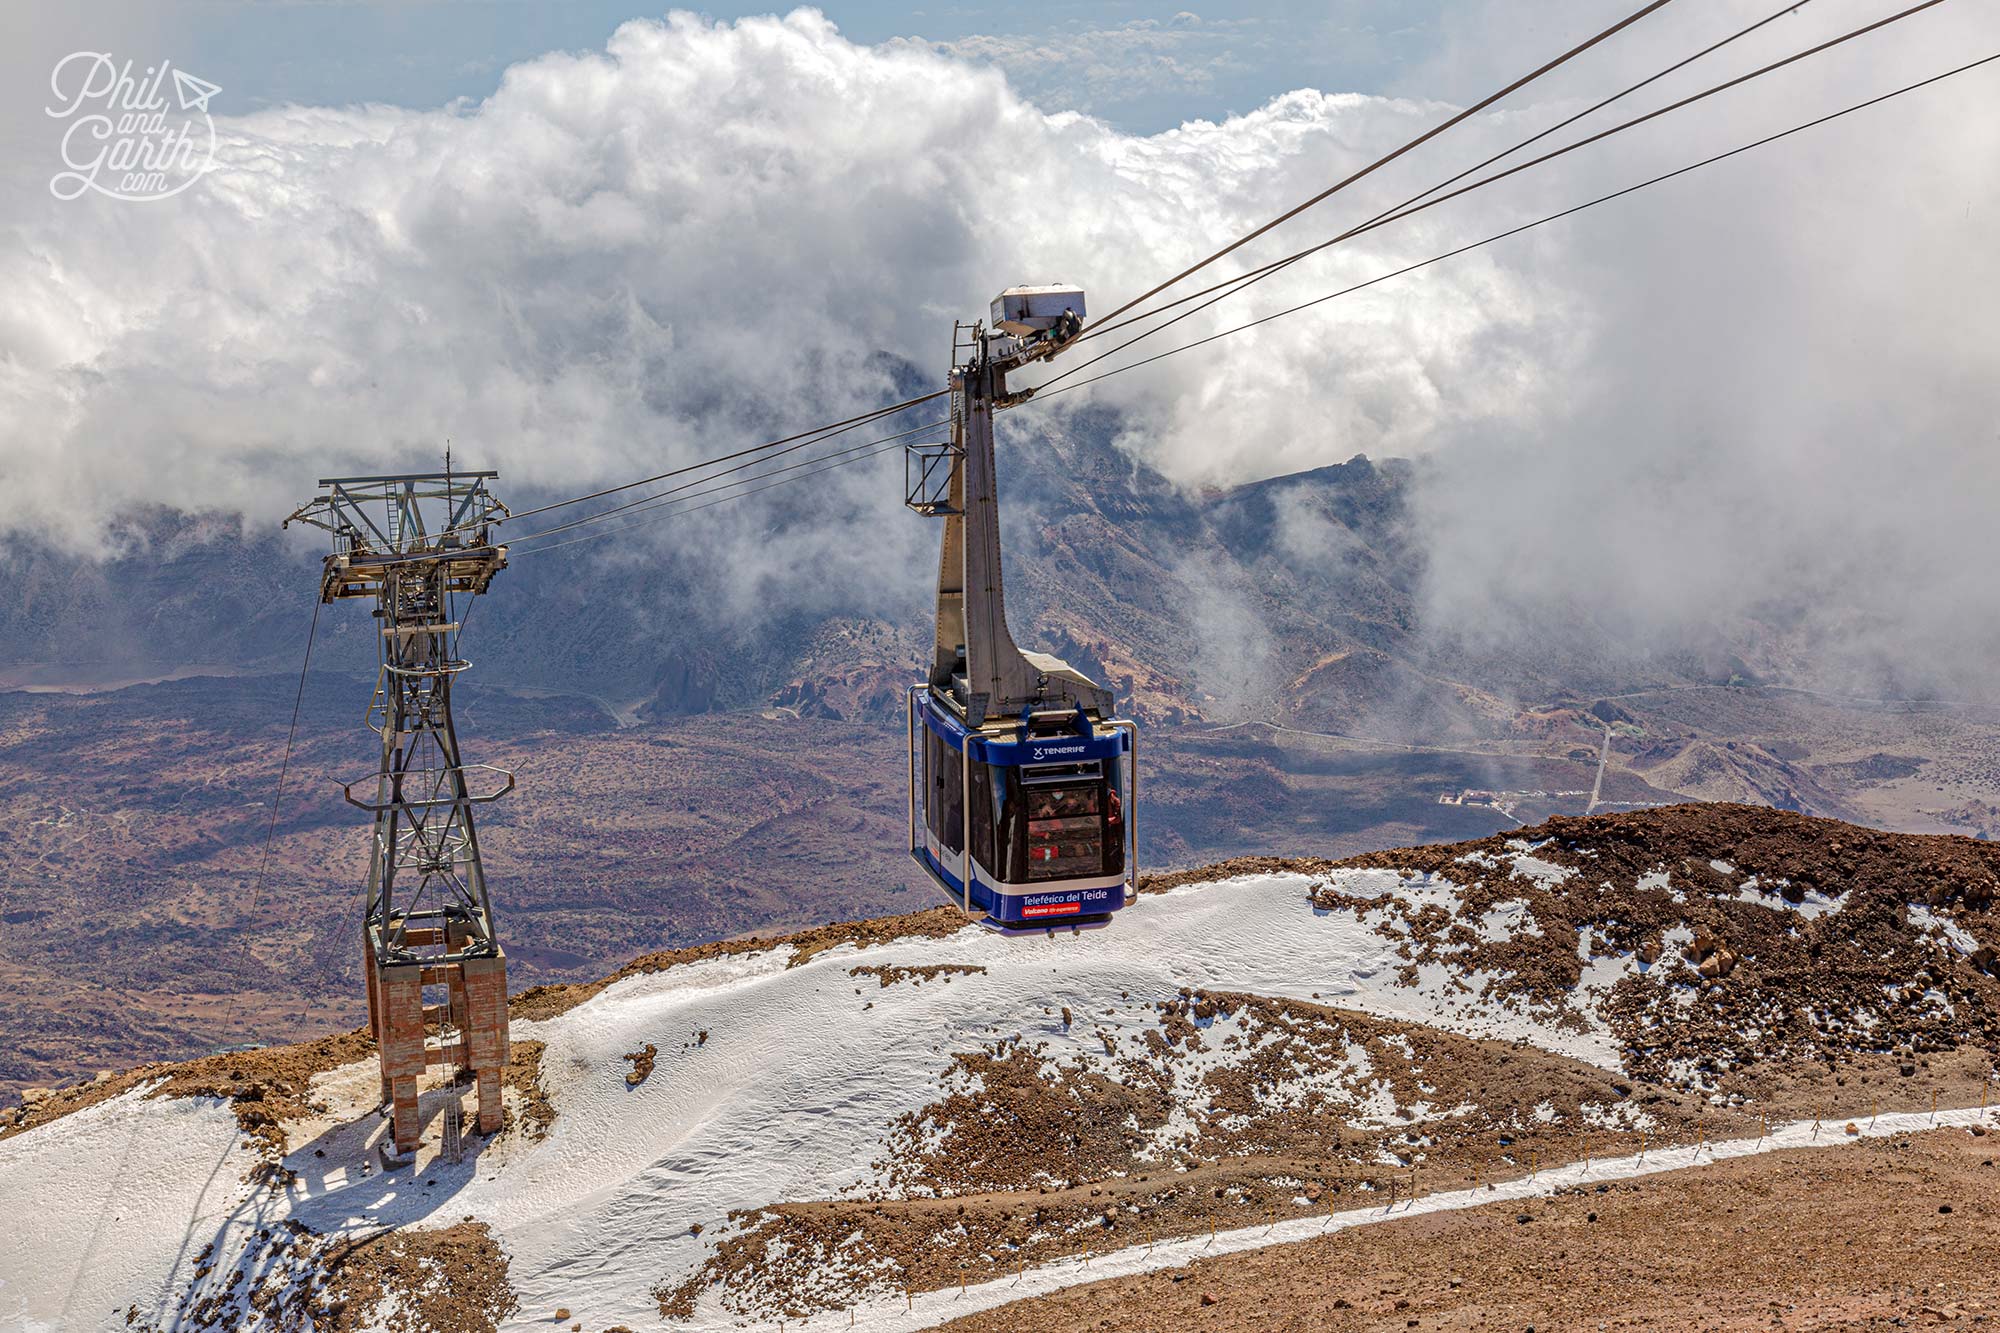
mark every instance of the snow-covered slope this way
{"type": "Point", "coordinates": [798, 1104]}
{"type": "Point", "coordinates": [105, 1207]}
{"type": "Point", "coordinates": [792, 1095]}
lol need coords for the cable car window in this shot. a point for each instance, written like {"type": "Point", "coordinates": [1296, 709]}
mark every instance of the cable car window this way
{"type": "Point", "coordinates": [985, 814]}
{"type": "Point", "coordinates": [1062, 821]}
{"type": "Point", "coordinates": [1114, 817]}
{"type": "Point", "coordinates": [944, 783]}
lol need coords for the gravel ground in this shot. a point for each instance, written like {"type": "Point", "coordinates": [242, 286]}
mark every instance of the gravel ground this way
{"type": "Point", "coordinates": [1892, 1233]}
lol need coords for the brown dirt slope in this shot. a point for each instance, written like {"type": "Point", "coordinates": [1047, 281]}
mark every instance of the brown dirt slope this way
{"type": "Point", "coordinates": [268, 1088]}
{"type": "Point", "coordinates": [931, 923]}
{"type": "Point", "coordinates": [1940, 869]}
{"type": "Point", "coordinates": [1877, 1235]}
{"type": "Point", "coordinates": [449, 1279]}
{"type": "Point", "coordinates": [1765, 937]}
{"type": "Point", "coordinates": [1223, 1109]}
{"type": "Point", "coordinates": [1234, 866]}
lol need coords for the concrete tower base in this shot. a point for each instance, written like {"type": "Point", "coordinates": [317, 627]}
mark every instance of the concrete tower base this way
{"type": "Point", "coordinates": [471, 1023]}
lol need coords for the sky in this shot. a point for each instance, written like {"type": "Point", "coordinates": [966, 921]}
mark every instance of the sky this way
{"type": "Point", "coordinates": [1141, 66]}
{"type": "Point", "coordinates": [585, 246]}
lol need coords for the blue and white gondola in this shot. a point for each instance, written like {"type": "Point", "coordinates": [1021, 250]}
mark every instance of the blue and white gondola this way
{"type": "Point", "coordinates": [1026, 823]}
{"type": "Point", "coordinates": [1022, 783]}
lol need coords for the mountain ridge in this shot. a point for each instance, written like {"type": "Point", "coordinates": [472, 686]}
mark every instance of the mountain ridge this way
{"type": "Point", "coordinates": [1191, 602]}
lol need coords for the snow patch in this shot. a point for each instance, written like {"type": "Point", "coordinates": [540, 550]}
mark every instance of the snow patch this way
{"type": "Point", "coordinates": [1812, 906]}
{"type": "Point", "coordinates": [1504, 921]}
{"type": "Point", "coordinates": [1545, 874]}
{"type": "Point", "coordinates": [1924, 919]}
{"type": "Point", "coordinates": [107, 1201]}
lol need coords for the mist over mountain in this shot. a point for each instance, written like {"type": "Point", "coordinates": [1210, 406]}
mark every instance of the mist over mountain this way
{"type": "Point", "coordinates": [1312, 599]}
{"type": "Point", "coordinates": [1746, 411]}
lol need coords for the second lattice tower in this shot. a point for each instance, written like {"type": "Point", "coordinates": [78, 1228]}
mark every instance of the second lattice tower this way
{"type": "Point", "coordinates": [420, 545]}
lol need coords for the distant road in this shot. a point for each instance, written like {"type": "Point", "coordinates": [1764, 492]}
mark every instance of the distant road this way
{"type": "Point", "coordinates": [1603, 755]}
{"type": "Point", "coordinates": [1810, 694]}
{"type": "Point", "coordinates": [1381, 744]}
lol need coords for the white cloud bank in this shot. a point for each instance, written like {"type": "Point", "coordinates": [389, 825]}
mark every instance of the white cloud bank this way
{"type": "Point", "coordinates": [1772, 380]}
{"type": "Point", "coordinates": [700, 235]}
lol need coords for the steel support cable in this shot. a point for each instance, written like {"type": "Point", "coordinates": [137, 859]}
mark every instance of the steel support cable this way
{"type": "Point", "coordinates": [459, 633]}
{"type": "Point", "coordinates": [831, 428]}
{"type": "Point", "coordinates": [1384, 161]}
{"type": "Point", "coordinates": [1792, 7]}
{"type": "Point", "coordinates": [1530, 226]}
{"type": "Point", "coordinates": [864, 418]}
{"type": "Point", "coordinates": [285, 767]}
{"type": "Point", "coordinates": [1396, 215]}
{"type": "Point", "coordinates": [677, 513]}
{"type": "Point", "coordinates": [645, 500]}
{"type": "Point", "coordinates": [870, 445]}
{"type": "Point", "coordinates": [1449, 254]}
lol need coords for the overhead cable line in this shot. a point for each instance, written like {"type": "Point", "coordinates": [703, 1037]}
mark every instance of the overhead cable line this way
{"type": "Point", "coordinates": [1791, 7]}
{"type": "Point", "coordinates": [647, 501]}
{"type": "Point", "coordinates": [832, 428]}
{"type": "Point", "coordinates": [878, 448]}
{"type": "Point", "coordinates": [1538, 222]}
{"type": "Point", "coordinates": [1403, 211]}
{"type": "Point", "coordinates": [285, 767]}
{"type": "Point", "coordinates": [1385, 160]}
{"type": "Point", "coordinates": [823, 463]}
{"type": "Point", "coordinates": [1347, 291]}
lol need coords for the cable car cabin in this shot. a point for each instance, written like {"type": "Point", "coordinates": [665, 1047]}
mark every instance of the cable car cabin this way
{"type": "Point", "coordinates": [1026, 822]}
{"type": "Point", "coordinates": [1021, 782]}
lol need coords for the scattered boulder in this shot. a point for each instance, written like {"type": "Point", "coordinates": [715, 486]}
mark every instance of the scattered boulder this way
{"type": "Point", "coordinates": [642, 1064]}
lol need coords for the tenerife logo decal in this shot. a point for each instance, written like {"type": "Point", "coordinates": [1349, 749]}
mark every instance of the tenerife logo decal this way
{"type": "Point", "coordinates": [126, 137]}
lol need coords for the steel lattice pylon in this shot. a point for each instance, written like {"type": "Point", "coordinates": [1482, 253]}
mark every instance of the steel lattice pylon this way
{"type": "Point", "coordinates": [417, 543]}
